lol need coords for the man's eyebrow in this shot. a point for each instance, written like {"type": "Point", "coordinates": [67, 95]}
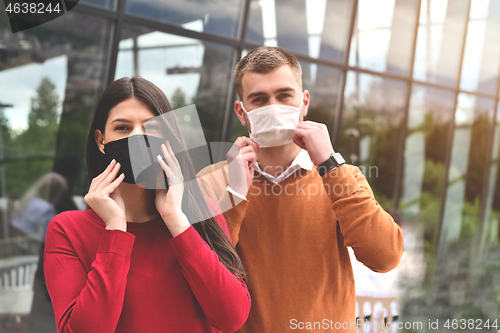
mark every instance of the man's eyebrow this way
{"type": "Point", "coordinates": [254, 94]}
{"type": "Point", "coordinates": [261, 93]}
{"type": "Point", "coordinates": [284, 89]}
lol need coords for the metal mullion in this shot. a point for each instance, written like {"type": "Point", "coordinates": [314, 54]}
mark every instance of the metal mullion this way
{"type": "Point", "coordinates": [115, 41]}
{"type": "Point", "coordinates": [345, 68]}
{"type": "Point", "coordinates": [404, 126]}
{"type": "Point", "coordinates": [451, 133]}
{"type": "Point", "coordinates": [231, 96]}
{"type": "Point", "coordinates": [175, 29]}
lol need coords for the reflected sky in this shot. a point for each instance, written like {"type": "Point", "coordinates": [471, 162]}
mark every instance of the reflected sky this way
{"type": "Point", "coordinates": [159, 51]}
{"type": "Point", "coordinates": [18, 86]}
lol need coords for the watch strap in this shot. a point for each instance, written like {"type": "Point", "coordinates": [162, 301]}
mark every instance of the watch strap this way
{"type": "Point", "coordinates": [335, 160]}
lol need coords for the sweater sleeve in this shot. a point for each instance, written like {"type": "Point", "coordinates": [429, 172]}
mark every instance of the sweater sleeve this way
{"type": "Point", "coordinates": [377, 241]}
{"type": "Point", "coordinates": [87, 301]}
{"type": "Point", "coordinates": [213, 184]}
{"type": "Point", "coordinates": [224, 298]}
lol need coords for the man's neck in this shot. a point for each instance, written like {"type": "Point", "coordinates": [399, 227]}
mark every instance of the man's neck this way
{"type": "Point", "coordinates": [275, 160]}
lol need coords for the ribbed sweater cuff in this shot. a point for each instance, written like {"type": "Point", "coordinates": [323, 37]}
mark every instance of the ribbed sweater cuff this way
{"type": "Point", "coordinates": [187, 243]}
{"type": "Point", "coordinates": [340, 182]}
{"type": "Point", "coordinates": [117, 242]}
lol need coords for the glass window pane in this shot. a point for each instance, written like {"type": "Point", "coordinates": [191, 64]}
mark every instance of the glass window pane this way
{"type": "Point", "coordinates": [218, 17]}
{"type": "Point", "coordinates": [318, 28]}
{"type": "Point", "coordinates": [189, 71]}
{"type": "Point", "coordinates": [440, 39]}
{"type": "Point", "coordinates": [323, 84]}
{"type": "Point", "coordinates": [104, 3]}
{"type": "Point", "coordinates": [473, 121]}
{"type": "Point", "coordinates": [482, 48]}
{"type": "Point", "coordinates": [383, 35]}
{"type": "Point", "coordinates": [370, 130]}
{"type": "Point", "coordinates": [490, 233]}
{"type": "Point", "coordinates": [50, 78]}
{"type": "Point", "coordinates": [429, 120]}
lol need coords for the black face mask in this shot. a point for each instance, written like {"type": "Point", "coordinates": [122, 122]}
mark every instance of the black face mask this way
{"type": "Point", "coordinates": [137, 156]}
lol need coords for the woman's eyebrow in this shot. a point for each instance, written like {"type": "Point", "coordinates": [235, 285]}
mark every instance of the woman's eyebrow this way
{"type": "Point", "coordinates": [121, 120]}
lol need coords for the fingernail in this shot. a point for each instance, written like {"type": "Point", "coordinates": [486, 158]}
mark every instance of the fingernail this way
{"type": "Point", "coordinates": [112, 161]}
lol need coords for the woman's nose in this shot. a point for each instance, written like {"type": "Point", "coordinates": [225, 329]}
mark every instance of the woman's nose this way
{"type": "Point", "coordinates": [138, 130]}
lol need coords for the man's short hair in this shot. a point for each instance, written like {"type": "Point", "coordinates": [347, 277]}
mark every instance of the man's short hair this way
{"type": "Point", "coordinates": [262, 60]}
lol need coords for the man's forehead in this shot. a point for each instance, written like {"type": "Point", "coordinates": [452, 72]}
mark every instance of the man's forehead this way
{"type": "Point", "coordinates": [281, 79]}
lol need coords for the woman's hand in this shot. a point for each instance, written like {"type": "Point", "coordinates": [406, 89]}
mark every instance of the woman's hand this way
{"type": "Point", "coordinates": [104, 197]}
{"type": "Point", "coordinates": [169, 202]}
{"type": "Point", "coordinates": [241, 159]}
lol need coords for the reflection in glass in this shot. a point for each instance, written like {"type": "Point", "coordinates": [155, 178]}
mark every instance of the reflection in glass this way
{"type": "Point", "coordinates": [219, 17]}
{"type": "Point", "coordinates": [47, 93]}
{"type": "Point", "coordinates": [429, 120]}
{"type": "Point", "coordinates": [490, 233]}
{"type": "Point", "coordinates": [104, 3]}
{"type": "Point", "coordinates": [187, 70]}
{"type": "Point", "coordinates": [370, 129]}
{"type": "Point", "coordinates": [473, 123]}
{"type": "Point", "coordinates": [482, 48]}
{"type": "Point", "coordinates": [439, 42]}
{"type": "Point", "coordinates": [318, 28]}
{"type": "Point", "coordinates": [323, 84]}
{"type": "Point", "coordinates": [383, 35]}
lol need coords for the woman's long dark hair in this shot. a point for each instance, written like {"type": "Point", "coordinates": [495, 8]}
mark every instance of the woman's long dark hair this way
{"type": "Point", "coordinates": [193, 202]}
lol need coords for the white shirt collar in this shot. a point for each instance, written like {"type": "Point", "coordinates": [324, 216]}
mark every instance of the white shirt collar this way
{"type": "Point", "coordinates": [302, 160]}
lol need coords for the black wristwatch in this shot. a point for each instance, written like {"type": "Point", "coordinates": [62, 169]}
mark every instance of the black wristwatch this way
{"type": "Point", "coordinates": [334, 161]}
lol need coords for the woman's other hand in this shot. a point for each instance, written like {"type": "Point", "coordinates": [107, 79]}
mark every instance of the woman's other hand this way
{"type": "Point", "coordinates": [104, 197]}
{"type": "Point", "coordinates": [169, 202]}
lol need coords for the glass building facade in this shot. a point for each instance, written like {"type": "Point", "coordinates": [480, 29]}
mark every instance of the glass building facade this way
{"type": "Point", "coordinates": [409, 90]}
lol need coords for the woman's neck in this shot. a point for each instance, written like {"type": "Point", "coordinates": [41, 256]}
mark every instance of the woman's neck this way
{"type": "Point", "coordinates": [139, 203]}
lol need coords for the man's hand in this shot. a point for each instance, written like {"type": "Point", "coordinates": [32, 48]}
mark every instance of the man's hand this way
{"type": "Point", "coordinates": [314, 138]}
{"type": "Point", "coordinates": [241, 159]}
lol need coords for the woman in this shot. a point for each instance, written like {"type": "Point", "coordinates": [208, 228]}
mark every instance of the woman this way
{"type": "Point", "coordinates": [133, 262]}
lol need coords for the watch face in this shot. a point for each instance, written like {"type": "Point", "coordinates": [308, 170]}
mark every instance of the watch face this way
{"type": "Point", "coordinates": [338, 158]}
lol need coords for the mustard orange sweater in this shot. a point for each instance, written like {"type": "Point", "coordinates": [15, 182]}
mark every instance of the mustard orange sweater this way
{"type": "Point", "coordinates": [292, 239]}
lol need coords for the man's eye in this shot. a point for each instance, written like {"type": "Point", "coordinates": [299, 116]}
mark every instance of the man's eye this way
{"type": "Point", "coordinates": [257, 100]}
{"type": "Point", "coordinates": [285, 95]}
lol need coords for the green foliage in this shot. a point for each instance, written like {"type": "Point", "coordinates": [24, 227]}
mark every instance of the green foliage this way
{"type": "Point", "coordinates": [32, 151]}
{"type": "Point", "coordinates": [178, 99]}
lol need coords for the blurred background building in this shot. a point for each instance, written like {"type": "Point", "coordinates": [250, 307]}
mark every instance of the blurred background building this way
{"type": "Point", "coordinates": [409, 90]}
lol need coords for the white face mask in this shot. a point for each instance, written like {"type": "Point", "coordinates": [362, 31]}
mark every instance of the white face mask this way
{"type": "Point", "coordinates": [273, 125]}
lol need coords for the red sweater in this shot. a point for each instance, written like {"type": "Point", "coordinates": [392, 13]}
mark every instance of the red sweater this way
{"type": "Point", "coordinates": [142, 280]}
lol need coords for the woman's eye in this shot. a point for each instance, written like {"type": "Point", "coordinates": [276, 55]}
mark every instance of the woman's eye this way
{"type": "Point", "coordinates": [151, 127]}
{"type": "Point", "coordinates": [120, 128]}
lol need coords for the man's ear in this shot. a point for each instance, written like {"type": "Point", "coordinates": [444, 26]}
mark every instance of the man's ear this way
{"type": "Point", "coordinates": [99, 140]}
{"type": "Point", "coordinates": [306, 99]}
{"type": "Point", "coordinates": [240, 113]}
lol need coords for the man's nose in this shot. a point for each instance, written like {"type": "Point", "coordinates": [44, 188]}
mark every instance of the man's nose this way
{"type": "Point", "coordinates": [272, 101]}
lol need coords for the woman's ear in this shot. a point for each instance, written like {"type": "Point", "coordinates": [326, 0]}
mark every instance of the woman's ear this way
{"type": "Point", "coordinates": [99, 140]}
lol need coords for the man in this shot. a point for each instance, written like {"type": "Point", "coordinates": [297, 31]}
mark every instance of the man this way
{"type": "Point", "coordinates": [291, 222]}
